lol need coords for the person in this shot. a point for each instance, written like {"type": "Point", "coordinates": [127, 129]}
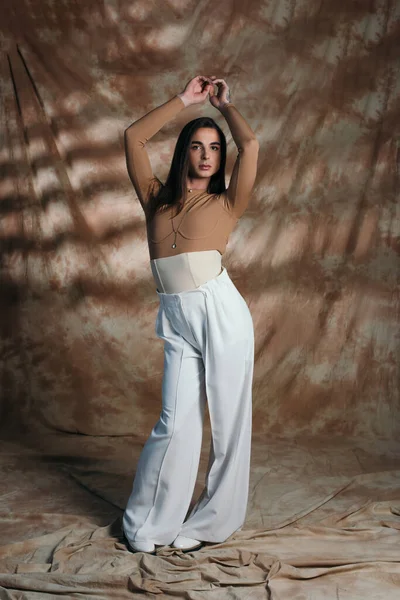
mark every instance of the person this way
{"type": "Point", "coordinates": [204, 322]}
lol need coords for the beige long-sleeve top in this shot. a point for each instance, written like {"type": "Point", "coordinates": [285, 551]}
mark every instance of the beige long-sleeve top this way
{"type": "Point", "coordinates": [206, 220]}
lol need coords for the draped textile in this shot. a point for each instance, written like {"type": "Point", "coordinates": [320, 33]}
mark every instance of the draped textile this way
{"type": "Point", "coordinates": [315, 255]}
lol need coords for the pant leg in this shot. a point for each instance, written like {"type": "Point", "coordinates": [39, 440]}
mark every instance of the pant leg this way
{"type": "Point", "coordinates": [167, 467]}
{"type": "Point", "coordinates": [227, 341]}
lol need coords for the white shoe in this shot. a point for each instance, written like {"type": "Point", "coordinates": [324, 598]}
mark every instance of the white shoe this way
{"type": "Point", "coordinates": [185, 543]}
{"type": "Point", "coordinates": [140, 546]}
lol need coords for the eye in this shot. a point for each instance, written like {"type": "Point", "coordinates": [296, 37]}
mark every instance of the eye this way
{"type": "Point", "coordinates": [195, 146]}
{"type": "Point", "coordinates": [215, 147]}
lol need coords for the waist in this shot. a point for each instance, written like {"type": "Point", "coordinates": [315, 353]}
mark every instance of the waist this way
{"type": "Point", "coordinates": [185, 271]}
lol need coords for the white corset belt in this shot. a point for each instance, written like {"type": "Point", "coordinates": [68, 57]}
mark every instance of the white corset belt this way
{"type": "Point", "coordinates": [186, 271]}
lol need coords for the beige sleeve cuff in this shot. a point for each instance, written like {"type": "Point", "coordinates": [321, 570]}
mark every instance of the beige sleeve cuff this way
{"type": "Point", "coordinates": [185, 102]}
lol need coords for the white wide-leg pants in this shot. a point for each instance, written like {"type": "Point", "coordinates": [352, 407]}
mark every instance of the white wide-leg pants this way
{"type": "Point", "coordinates": [208, 357]}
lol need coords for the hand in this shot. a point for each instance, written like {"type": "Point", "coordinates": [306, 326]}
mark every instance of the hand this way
{"type": "Point", "coordinates": [223, 95]}
{"type": "Point", "coordinates": [196, 90]}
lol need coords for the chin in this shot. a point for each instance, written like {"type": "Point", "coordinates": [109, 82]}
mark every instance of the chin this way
{"type": "Point", "coordinates": [206, 175]}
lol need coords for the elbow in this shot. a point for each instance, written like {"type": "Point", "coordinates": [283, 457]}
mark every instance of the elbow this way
{"type": "Point", "coordinates": [132, 131]}
{"type": "Point", "coordinates": [128, 137]}
{"type": "Point", "coordinates": [132, 138]}
{"type": "Point", "coordinates": [252, 143]}
{"type": "Point", "coordinates": [250, 146]}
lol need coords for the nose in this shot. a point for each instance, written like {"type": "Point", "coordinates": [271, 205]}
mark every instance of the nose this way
{"type": "Point", "coordinates": [205, 153]}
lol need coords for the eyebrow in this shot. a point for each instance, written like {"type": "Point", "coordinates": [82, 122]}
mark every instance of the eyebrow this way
{"type": "Point", "coordinates": [212, 143]}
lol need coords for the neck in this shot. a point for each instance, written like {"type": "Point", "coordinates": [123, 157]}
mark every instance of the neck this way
{"type": "Point", "coordinates": [195, 183]}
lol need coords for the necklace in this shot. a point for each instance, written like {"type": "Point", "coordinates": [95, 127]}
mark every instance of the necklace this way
{"type": "Point", "coordinates": [176, 230]}
{"type": "Point", "coordinates": [190, 190]}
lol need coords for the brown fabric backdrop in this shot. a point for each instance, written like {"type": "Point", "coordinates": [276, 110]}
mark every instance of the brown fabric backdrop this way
{"type": "Point", "coordinates": [316, 255]}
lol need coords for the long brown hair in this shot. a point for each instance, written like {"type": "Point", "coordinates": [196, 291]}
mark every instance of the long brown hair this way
{"type": "Point", "coordinates": [174, 191]}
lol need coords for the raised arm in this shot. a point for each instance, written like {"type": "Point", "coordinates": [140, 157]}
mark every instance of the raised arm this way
{"type": "Point", "coordinates": [245, 167]}
{"type": "Point", "coordinates": [138, 134]}
{"type": "Point", "coordinates": [136, 137]}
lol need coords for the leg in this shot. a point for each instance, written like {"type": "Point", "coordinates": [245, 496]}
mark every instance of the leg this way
{"type": "Point", "coordinates": [228, 351]}
{"type": "Point", "coordinates": [167, 467]}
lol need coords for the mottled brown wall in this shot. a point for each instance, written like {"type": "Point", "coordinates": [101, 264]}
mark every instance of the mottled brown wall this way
{"type": "Point", "coordinates": [316, 255]}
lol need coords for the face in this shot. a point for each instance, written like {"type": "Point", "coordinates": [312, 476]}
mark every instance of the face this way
{"type": "Point", "coordinates": [204, 149]}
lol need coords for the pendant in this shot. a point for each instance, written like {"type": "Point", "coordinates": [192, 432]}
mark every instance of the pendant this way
{"type": "Point", "coordinates": [173, 246]}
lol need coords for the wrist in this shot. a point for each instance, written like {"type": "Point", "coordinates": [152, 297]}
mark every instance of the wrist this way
{"type": "Point", "coordinates": [225, 105]}
{"type": "Point", "coordinates": [184, 99]}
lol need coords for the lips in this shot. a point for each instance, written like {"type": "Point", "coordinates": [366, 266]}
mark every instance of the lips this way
{"type": "Point", "coordinates": [205, 167]}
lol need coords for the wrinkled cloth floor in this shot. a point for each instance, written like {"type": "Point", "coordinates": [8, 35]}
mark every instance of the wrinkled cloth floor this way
{"type": "Point", "coordinates": [323, 522]}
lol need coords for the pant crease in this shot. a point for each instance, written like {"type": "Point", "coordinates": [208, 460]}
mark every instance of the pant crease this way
{"type": "Point", "coordinates": [165, 453]}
